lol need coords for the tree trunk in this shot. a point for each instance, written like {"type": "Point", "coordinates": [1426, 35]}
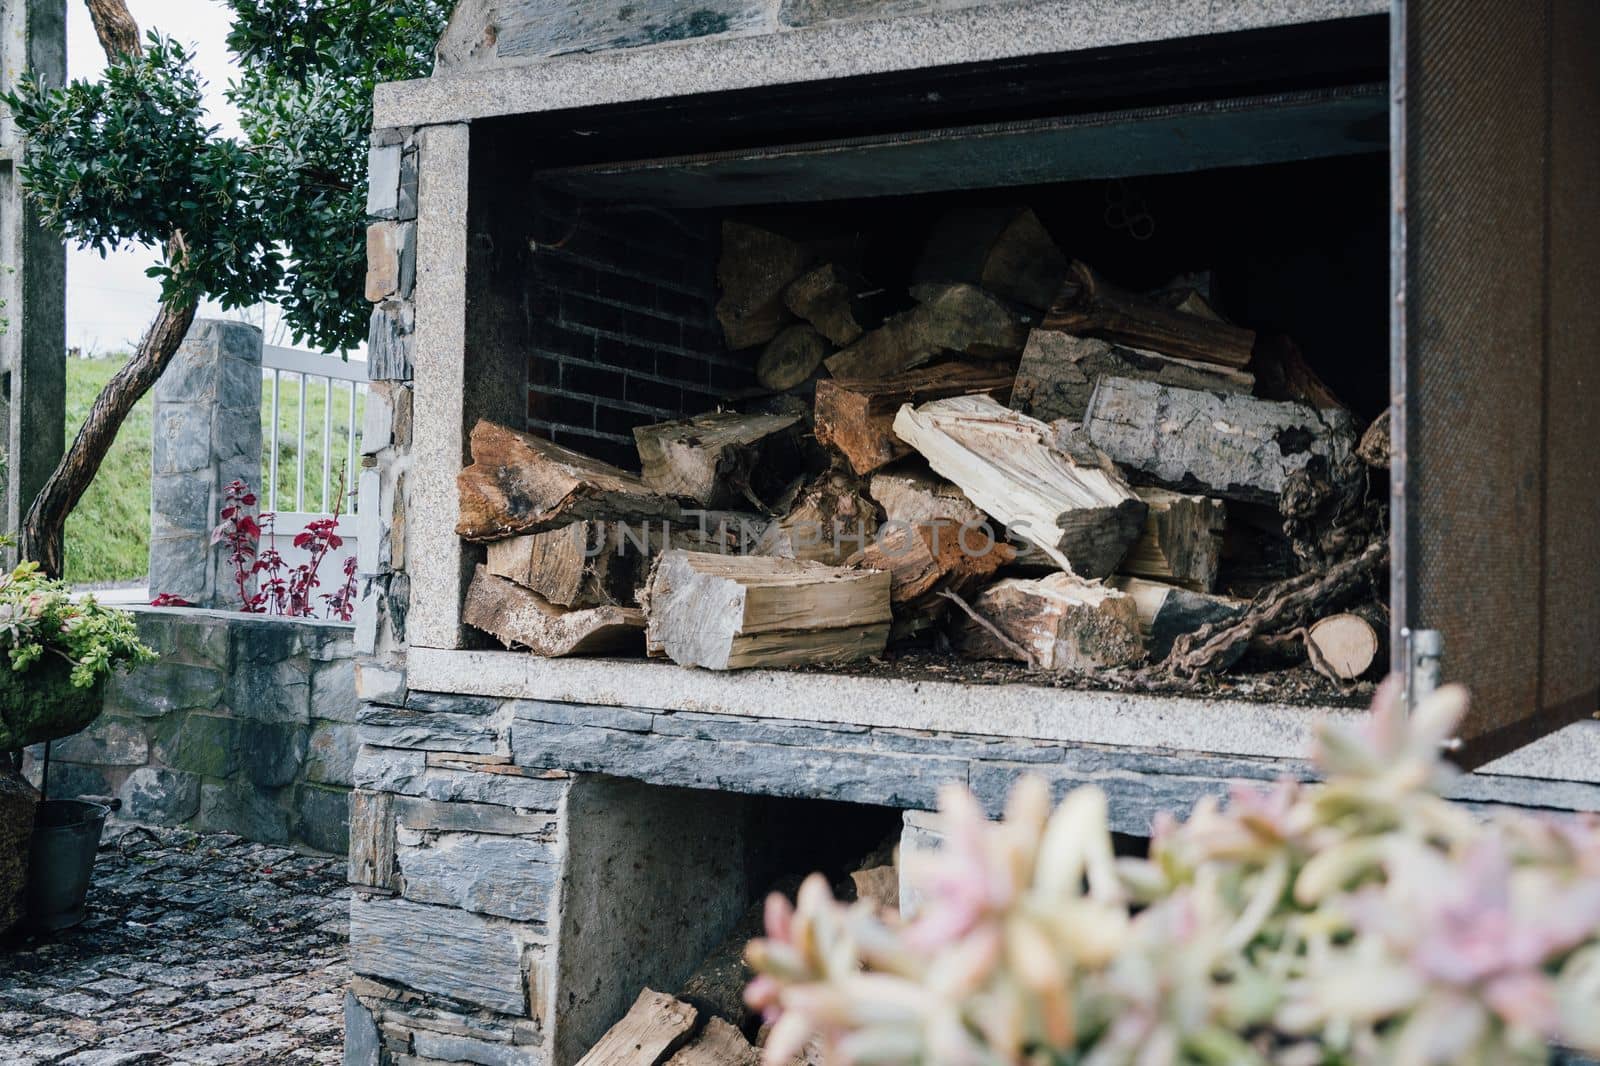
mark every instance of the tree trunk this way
{"type": "Point", "coordinates": [46, 521]}
{"type": "Point", "coordinates": [116, 28]}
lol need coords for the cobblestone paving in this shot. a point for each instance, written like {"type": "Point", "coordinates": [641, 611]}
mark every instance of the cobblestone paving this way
{"type": "Point", "coordinates": [197, 949]}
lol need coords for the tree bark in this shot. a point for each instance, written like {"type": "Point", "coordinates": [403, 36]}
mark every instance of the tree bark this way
{"type": "Point", "coordinates": [45, 524]}
{"type": "Point", "coordinates": [116, 28]}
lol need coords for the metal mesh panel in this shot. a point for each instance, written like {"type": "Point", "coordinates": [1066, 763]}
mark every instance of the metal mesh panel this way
{"type": "Point", "coordinates": [1571, 665]}
{"type": "Point", "coordinates": [1493, 475]}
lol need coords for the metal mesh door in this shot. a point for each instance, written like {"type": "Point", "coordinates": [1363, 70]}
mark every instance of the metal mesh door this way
{"type": "Point", "coordinates": [1498, 222]}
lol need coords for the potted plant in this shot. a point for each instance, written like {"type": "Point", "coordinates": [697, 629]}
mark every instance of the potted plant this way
{"type": "Point", "coordinates": [58, 652]}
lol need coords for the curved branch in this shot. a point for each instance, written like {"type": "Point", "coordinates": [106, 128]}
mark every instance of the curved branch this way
{"type": "Point", "coordinates": [116, 28]}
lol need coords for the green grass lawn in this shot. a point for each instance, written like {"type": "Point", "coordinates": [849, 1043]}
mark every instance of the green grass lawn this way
{"type": "Point", "coordinates": [108, 535]}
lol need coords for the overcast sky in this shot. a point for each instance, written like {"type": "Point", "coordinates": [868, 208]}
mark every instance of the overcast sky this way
{"type": "Point", "coordinates": [110, 301]}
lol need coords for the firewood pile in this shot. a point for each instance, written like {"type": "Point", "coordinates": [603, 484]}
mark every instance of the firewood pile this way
{"type": "Point", "coordinates": [1019, 461]}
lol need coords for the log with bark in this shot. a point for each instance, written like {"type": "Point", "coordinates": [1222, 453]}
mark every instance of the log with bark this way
{"type": "Point", "coordinates": [1238, 447]}
{"type": "Point", "coordinates": [1377, 442]}
{"type": "Point", "coordinates": [1005, 250]}
{"type": "Point", "coordinates": [520, 618]}
{"type": "Point", "coordinates": [949, 320]}
{"type": "Point", "coordinates": [1057, 623]}
{"type": "Point", "coordinates": [1329, 511]}
{"type": "Point", "coordinates": [1182, 540]}
{"type": "Point", "coordinates": [1167, 612]}
{"type": "Point", "coordinates": [832, 517]}
{"type": "Point", "coordinates": [833, 301]}
{"type": "Point", "coordinates": [1348, 646]}
{"type": "Point", "coordinates": [722, 459]}
{"type": "Point", "coordinates": [1058, 373]}
{"type": "Point", "coordinates": [790, 358]}
{"type": "Point", "coordinates": [1282, 373]}
{"type": "Point", "coordinates": [1090, 306]}
{"type": "Point", "coordinates": [856, 417]}
{"type": "Point", "coordinates": [913, 496]}
{"type": "Point", "coordinates": [725, 612]}
{"type": "Point", "coordinates": [1287, 605]}
{"type": "Point", "coordinates": [925, 558]}
{"type": "Point", "coordinates": [758, 263]}
{"type": "Point", "coordinates": [717, 1044]}
{"type": "Point", "coordinates": [1069, 502]}
{"type": "Point", "coordinates": [654, 1027]}
{"type": "Point", "coordinates": [519, 483]}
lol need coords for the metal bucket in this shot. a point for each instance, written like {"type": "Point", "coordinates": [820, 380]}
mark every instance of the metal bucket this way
{"type": "Point", "coordinates": [66, 836]}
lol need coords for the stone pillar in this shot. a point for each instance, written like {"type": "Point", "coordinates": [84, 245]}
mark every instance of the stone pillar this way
{"type": "Point", "coordinates": [207, 434]}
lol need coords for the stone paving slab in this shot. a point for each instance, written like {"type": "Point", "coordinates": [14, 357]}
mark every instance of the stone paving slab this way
{"type": "Point", "coordinates": [203, 949]}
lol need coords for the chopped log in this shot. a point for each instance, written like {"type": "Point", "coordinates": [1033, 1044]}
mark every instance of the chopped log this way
{"type": "Point", "coordinates": [829, 298]}
{"type": "Point", "coordinates": [1287, 605]}
{"type": "Point", "coordinates": [1233, 446]}
{"type": "Point", "coordinates": [1006, 250]}
{"type": "Point", "coordinates": [917, 498]}
{"type": "Point", "coordinates": [1282, 373]}
{"type": "Point", "coordinates": [519, 483]}
{"type": "Point", "coordinates": [1182, 540]}
{"type": "Point", "coordinates": [1377, 442]}
{"type": "Point", "coordinates": [725, 612]}
{"type": "Point", "coordinates": [586, 564]}
{"type": "Point", "coordinates": [654, 1027]}
{"type": "Point", "coordinates": [1167, 612]}
{"type": "Point", "coordinates": [790, 358]}
{"type": "Point", "coordinates": [856, 417]}
{"type": "Point", "coordinates": [1347, 646]}
{"type": "Point", "coordinates": [719, 1044]}
{"type": "Point", "coordinates": [923, 558]}
{"type": "Point", "coordinates": [949, 319]}
{"type": "Point", "coordinates": [518, 617]}
{"type": "Point", "coordinates": [1090, 306]}
{"type": "Point", "coordinates": [880, 885]}
{"type": "Point", "coordinates": [721, 459]}
{"type": "Point", "coordinates": [1060, 622]}
{"type": "Point", "coordinates": [1058, 373]}
{"type": "Point", "coordinates": [1075, 507]}
{"type": "Point", "coordinates": [757, 265]}
{"type": "Point", "coordinates": [830, 520]}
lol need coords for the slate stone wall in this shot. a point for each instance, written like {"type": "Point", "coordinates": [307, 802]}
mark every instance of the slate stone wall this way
{"type": "Point", "coordinates": [245, 724]}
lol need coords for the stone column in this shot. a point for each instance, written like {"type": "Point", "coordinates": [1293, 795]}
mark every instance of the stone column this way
{"type": "Point", "coordinates": [207, 434]}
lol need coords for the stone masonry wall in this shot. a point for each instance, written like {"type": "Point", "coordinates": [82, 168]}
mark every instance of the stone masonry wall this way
{"type": "Point", "coordinates": [244, 725]}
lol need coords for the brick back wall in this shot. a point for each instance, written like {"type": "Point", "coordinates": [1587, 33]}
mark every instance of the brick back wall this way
{"type": "Point", "coordinates": [621, 322]}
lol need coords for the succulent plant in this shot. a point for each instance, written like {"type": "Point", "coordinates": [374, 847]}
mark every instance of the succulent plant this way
{"type": "Point", "coordinates": [1361, 920]}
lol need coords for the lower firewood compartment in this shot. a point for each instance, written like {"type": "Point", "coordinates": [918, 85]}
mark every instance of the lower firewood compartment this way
{"type": "Point", "coordinates": [607, 310]}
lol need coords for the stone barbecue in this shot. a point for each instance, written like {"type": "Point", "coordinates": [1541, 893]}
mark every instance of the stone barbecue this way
{"type": "Point", "coordinates": [534, 839]}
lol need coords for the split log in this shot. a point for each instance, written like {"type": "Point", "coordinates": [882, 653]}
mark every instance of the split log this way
{"type": "Point", "coordinates": [1072, 505]}
{"type": "Point", "coordinates": [1233, 446]}
{"type": "Point", "coordinates": [829, 298]}
{"type": "Point", "coordinates": [880, 885]}
{"type": "Point", "coordinates": [1058, 373]}
{"type": "Point", "coordinates": [1167, 612]}
{"type": "Point", "coordinates": [1182, 540]}
{"type": "Point", "coordinates": [1089, 306]}
{"type": "Point", "coordinates": [1286, 605]}
{"type": "Point", "coordinates": [519, 483]}
{"type": "Point", "coordinates": [1348, 646]}
{"type": "Point", "coordinates": [1377, 442]}
{"type": "Point", "coordinates": [831, 519]}
{"type": "Point", "coordinates": [732, 612]}
{"type": "Point", "coordinates": [520, 618]}
{"type": "Point", "coordinates": [949, 319]}
{"type": "Point", "coordinates": [756, 266]}
{"type": "Point", "coordinates": [1005, 250]}
{"type": "Point", "coordinates": [790, 358]}
{"type": "Point", "coordinates": [719, 1044]}
{"type": "Point", "coordinates": [1282, 373]}
{"type": "Point", "coordinates": [924, 558]}
{"type": "Point", "coordinates": [1059, 623]}
{"type": "Point", "coordinates": [721, 459]}
{"type": "Point", "coordinates": [856, 417]}
{"type": "Point", "coordinates": [916, 498]}
{"type": "Point", "coordinates": [586, 564]}
{"type": "Point", "coordinates": [655, 1026]}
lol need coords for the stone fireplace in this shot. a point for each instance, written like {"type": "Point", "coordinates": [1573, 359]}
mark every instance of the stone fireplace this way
{"type": "Point", "coordinates": [534, 840]}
